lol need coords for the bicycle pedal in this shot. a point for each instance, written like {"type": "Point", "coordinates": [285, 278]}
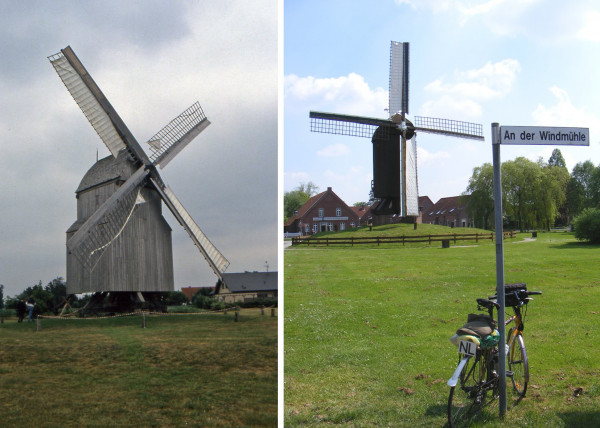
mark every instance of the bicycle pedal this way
{"type": "Point", "coordinates": [509, 373]}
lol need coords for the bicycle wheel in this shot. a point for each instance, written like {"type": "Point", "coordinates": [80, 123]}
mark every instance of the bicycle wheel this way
{"type": "Point", "coordinates": [518, 365]}
{"type": "Point", "coordinates": [468, 396]}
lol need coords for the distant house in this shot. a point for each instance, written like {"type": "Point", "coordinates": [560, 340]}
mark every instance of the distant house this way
{"type": "Point", "coordinates": [364, 215]}
{"type": "Point", "coordinates": [191, 291]}
{"type": "Point", "coordinates": [321, 213]}
{"type": "Point", "coordinates": [449, 211]}
{"type": "Point", "coordinates": [247, 286]}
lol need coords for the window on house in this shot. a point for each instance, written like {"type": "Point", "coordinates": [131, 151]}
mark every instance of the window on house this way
{"type": "Point", "coordinates": [306, 228]}
{"type": "Point", "coordinates": [352, 224]}
{"type": "Point", "coordinates": [338, 212]}
{"type": "Point", "coordinates": [321, 212]}
{"type": "Point", "coordinates": [315, 227]}
{"type": "Point", "coordinates": [330, 227]}
{"type": "Point", "coordinates": [342, 226]}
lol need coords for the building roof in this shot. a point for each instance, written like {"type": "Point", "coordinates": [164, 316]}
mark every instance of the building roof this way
{"type": "Point", "coordinates": [248, 282]}
{"type": "Point", "coordinates": [191, 291]}
{"type": "Point", "coordinates": [107, 169]}
{"type": "Point", "coordinates": [361, 211]}
{"type": "Point", "coordinates": [425, 202]}
{"type": "Point", "coordinates": [309, 204]}
{"type": "Point", "coordinates": [447, 206]}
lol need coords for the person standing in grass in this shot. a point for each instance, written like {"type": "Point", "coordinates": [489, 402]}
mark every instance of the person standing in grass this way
{"type": "Point", "coordinates": [21, 308]}
{"type": "Point", "coordinates": [30, 305]}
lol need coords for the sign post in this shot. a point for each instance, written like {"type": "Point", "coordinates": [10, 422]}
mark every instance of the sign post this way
{"type": "Point", "coordinates": [518, 135]}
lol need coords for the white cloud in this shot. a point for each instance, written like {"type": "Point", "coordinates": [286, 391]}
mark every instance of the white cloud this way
{"type": "Point", "coordinates": [461, 96]}
{"type": "Point", "coordinates": [346, 94]}
{"type": "Point", "coordinates": [334, 150]}
{"type": "Point", "coordinates": [564, 113]}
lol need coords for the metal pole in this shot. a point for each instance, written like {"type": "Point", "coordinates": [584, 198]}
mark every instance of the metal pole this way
{"type": "Point", "coordinates": [499, 265]}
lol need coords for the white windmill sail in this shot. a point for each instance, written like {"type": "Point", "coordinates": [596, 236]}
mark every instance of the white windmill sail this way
{"type": "Point", "coordinates": [412, 183]}
{"type": "Point", "coordinates": [213, 256]}
{"type": "Point", "coordinates": [88, 103]}
{"type": "Point", "coordinates": [398, 97]}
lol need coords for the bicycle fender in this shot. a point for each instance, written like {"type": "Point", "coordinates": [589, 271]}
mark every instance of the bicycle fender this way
{"type": "Point", "coordinates": [454, 379]}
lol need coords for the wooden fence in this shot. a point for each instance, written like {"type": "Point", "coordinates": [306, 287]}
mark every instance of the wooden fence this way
{"type": "Point", "coordinates": [404, 239]}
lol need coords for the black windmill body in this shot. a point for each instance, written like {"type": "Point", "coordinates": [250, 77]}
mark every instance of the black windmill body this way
{"type": "Point", "coordinates": [395, 179]}
{"type": "Point", "coordinates": [120, 242]}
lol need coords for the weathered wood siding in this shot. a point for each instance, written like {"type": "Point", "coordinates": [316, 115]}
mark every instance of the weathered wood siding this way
{"type": "Point", "coordinates": [140, 259]}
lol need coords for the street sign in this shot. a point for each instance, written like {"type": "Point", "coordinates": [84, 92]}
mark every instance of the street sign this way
{"type": "Point", "coordinates": [555, 136]}
{"type": "Point", "coordinates": [549, 135]}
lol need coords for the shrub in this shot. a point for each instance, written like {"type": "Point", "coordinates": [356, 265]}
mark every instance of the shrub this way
{"type": "Point", "coordinates": [257, 303]}
{"type": "Point", "coordinates": [587, 225]}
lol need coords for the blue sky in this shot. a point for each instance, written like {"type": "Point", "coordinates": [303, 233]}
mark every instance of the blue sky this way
{"type": "Point", "coordinates": [531, 63]}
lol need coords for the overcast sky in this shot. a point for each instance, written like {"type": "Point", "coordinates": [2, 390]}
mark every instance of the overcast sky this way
{"type": "Point", "coordinates": [514, 62]}
{"type": "Point", "coordinates": [152, 59]}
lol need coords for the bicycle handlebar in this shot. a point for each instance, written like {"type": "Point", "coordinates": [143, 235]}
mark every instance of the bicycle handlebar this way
{"type": "Point", "coordinates": [521, 292]}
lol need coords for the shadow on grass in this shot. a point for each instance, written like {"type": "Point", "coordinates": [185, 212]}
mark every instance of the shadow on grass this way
{"type": "Point", "coordinates": [581, 418]}
{"type": "Point", "coordinates": [437, 410]}
{"type": "Point", "coordinates": [577, 245]}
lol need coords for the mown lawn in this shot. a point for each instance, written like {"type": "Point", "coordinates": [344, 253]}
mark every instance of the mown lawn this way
{"type": "Point", "coordinates": [193, 370]}
{"type": "Point", "coordinates": [366, 331]}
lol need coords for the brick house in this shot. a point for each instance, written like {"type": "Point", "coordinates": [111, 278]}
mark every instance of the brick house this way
{"type": "Point", "coordinates": [321, 213]}
{"type": "Point", "coordinates": [449, 211]}
{"type": "Point", "coordinates": [364, 214]}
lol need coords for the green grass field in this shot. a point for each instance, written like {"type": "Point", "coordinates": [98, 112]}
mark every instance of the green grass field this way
{"type": "Point", "coordinates": [367, 331]}
{"type": "Point", "coordinates": [187, 370]}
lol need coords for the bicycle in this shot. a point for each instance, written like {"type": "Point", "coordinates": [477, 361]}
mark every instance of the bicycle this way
{"type": "Point", "coordinates": [475, 381]}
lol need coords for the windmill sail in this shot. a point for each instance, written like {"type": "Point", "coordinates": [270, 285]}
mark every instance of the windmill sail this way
{"type": "Point", "coordinates": [343, 124]}
{"type": "Point", "coordinates": [412, 184]}
{"type": "Point", "coordinates": [97, 109]}
{"type": "Point", "coordinates": [102, 227]}
{"type": "Point", "coordinates": [449, 127]}
{"type": "Point", "coordinates": [170, 140]}
{"type": "Point", "coordinates": [215, 259]}
{"type": "Point", "coordinates": [398, 96]}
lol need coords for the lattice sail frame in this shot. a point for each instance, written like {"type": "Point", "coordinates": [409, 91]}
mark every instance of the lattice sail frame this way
{"type": "Point", "coordinates": [177, 134]}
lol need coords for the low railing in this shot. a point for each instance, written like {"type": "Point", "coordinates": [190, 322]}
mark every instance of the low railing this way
{"type": "Point", "coordinates": [404, 239]}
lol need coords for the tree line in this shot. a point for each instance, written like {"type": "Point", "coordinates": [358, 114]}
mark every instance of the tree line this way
{"type": "Point", "coordinates": [535, 195]}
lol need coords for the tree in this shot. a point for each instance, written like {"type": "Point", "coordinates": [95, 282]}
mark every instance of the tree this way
{"type": "Point", "coordinates": [310, 188]}
{"type": "Point", "coordinates": [521, 187]}
{"type": "Point", "coordinates": [360, 204]}
{"type": "Point", "coordinates": [294, 199]}
{"type": "Point", "coordinates": [587, 226]}
{"type": "Point", "coordinates": [1, 296]}
{"type": "Point", "coordinates": [372, 198]}
{"type": "Point", "coordinates": [556, 159]}
{"type": "Point", "coordinates": [175, 298]}
{"type": "Point", "coordinates": [481, 196]}
{"type": "Point", "coordinates": [553, 189]}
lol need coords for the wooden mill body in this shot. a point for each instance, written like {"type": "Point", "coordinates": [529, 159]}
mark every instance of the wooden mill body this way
{"type": "Point", "coordinates": [140, 258]}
